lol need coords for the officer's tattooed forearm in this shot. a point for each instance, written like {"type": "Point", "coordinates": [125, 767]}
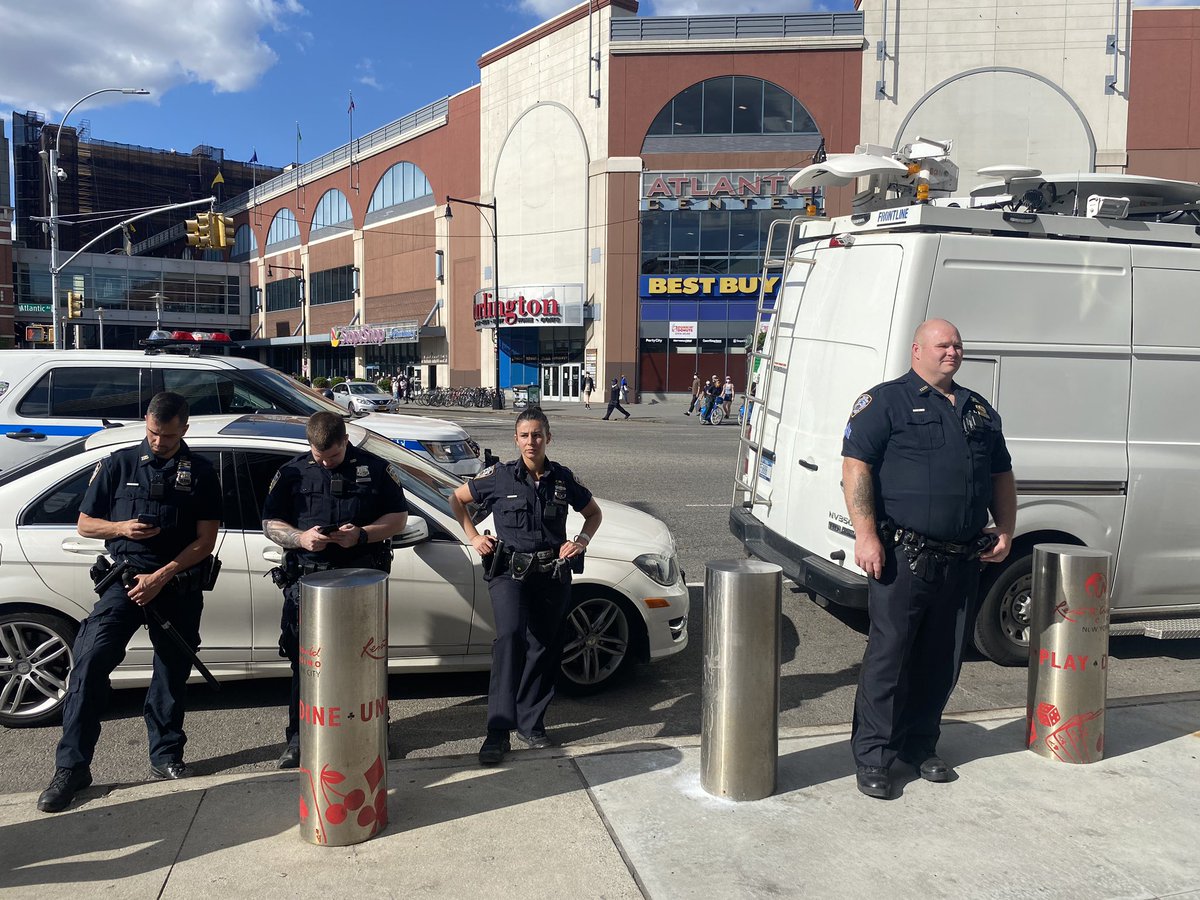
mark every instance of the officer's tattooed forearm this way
{"type": "Point", "coordinates": [862, 496]}
{"type": "Point", "coordinates": [282, 534]}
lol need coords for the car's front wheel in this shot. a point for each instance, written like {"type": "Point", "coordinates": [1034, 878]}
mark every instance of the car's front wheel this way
{"type": "Point", "coordinates": [599, 644]}
{"type": "Point", "coordinates": [35, 660]}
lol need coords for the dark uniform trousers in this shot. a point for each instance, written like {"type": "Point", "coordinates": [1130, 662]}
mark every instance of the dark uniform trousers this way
{"type": "Point", "coordinates": [289, 646]}
{"type": "Point", "coordinates": [914, 653]}
{"type": "Point", "coordinates": [100, 647]}
{"type": "Point", "coordinates": [527, 650]}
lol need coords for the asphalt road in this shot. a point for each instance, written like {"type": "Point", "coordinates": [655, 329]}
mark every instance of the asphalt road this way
{"type": "Point", "coordinates": [660, 462]}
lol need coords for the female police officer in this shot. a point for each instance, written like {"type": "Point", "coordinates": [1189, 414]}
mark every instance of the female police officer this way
{"type": "Point", "coordinates": [529, 578]}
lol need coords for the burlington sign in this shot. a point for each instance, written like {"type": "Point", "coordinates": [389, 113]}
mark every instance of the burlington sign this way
{"type": "Point", "coordinates": [538, 306]}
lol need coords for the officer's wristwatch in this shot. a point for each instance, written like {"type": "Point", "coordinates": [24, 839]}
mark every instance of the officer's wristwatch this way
{"type": "Point", "coordinates": [362, 536]}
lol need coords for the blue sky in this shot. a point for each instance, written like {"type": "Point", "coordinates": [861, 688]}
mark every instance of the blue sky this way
{"type": "Point", "coordinates": [239, 74]}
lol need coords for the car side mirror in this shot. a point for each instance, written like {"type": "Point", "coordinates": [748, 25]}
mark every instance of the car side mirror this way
{"type": "Point", "coordinates": [416, 531]}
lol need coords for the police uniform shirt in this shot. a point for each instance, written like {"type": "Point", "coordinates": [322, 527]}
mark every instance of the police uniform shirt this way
{"type": "Point", "coordinates": [178, 492]}
{"type": "Point", "coordinates": [530, 514]}
{"type": "Point", "coordinates": [932, 462]}
{"type": "Point", "coordinates": [360, 490]}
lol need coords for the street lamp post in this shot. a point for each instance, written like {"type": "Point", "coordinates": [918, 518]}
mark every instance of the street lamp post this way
{"type": "Point", "coordinates": [53, 178]}
{"type": "Point", "coordinates": [498, 399]}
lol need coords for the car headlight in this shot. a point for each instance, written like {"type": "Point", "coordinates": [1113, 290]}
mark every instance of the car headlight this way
{"type": "Point", "coordinates": [448, 451]}
{"type": "Point", "coordinates": [661, 569]}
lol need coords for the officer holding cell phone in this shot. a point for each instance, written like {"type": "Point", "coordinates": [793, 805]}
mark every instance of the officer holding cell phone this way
{"type": "Point", "coordinates": [528, 564]}
{"type": "Point", "coordinates": [157, 507]}
{"type": "Point", "coordinates": [335, 507]}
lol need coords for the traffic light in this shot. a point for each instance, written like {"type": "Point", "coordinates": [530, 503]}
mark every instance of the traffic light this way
{"type": "Point", "coordinates": [199, 231]}
{"type": "Point", "coordinates": [74, 305]}
{"type": "Point", "coordinates": [222, 231]}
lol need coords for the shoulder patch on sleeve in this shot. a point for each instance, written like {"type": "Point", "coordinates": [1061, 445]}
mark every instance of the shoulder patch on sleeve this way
{"type": "Point", "coordinates": [394, 473]}
{"type": "Point", "coordinates": [485, 473]}
{"type": "Point", "coordinates": [860, 404]}
{"type": "Point", "coordinates": [274, 481]}
{"type": "Point", "coordinates": [96, 471]}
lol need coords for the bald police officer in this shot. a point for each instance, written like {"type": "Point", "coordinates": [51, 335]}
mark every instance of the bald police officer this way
{"type": "Point", "coordinates": [158, 508]}
{"type": "Point", "coordinates": [924, 462]}
{"type": "Point", "coordinates": [334, 507]}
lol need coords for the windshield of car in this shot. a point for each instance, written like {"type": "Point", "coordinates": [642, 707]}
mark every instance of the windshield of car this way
{"type": "Point", "coordinates": [364, 388]}
{"type": "Point", "coordinates": [302, 400]}
{"type": "Point", "coordinates": [66, 451]}
{"type": "Point", "coordinates": [427, 481]}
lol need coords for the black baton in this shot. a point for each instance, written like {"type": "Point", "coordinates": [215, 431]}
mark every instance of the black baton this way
{"type": "Point", "coordinates": [118, 573]}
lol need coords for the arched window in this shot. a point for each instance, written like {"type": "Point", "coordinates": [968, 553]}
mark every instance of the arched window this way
{"type": "Point", "coordinates": [733, 104]}
{"type": "Point", "coordinates": [332, 209]}
{"type": "Point", "coordinates": [401, 184]}
{"type": "Point", "coordinates": [245, 244]}
{"type": "Point", "coordinates": [283, 228]}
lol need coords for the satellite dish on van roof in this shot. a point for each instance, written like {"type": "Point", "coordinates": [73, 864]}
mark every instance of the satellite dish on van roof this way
{"type": "Point", "coordinates": [844, 168]}
{"type": "Point", "coordinates": [1008, 173]}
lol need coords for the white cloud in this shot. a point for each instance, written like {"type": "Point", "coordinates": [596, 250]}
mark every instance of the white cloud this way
{"type": "Point", "coordinates": [547, 9]}
{"type": "Point", "coordinates": [51, 59]}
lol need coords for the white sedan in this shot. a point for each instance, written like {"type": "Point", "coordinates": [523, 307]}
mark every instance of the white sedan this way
{"type": "Point", "coordinates": [363, 397]}
{"type": "Point", "coordinates": [629, 604]}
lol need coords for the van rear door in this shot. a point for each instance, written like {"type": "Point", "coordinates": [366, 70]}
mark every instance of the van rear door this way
{"type": "Point", "coordinates": [836, 349]}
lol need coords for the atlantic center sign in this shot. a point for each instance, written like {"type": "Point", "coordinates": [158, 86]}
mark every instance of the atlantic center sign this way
{"type": "Point", "coordinates": [538, 306]}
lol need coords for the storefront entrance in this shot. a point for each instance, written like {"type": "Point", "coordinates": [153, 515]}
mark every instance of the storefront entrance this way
{"type": "Point", "coordinates": [561, 382]}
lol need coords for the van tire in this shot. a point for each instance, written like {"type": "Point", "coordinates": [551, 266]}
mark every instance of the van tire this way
{"type": "Point", "coordinates": [1002, 626]}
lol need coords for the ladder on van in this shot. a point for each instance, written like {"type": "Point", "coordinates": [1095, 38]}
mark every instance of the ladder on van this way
{"type": "Point", "coordinates": [745, 479]}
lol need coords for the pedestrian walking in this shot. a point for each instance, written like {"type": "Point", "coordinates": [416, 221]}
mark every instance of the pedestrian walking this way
{"type": "Point", "coordinates": [924, 460]}
{"type": "Point", "coordinates": [396, 389]}
{"type": "Point", "coordinates": [158, 509]}
{"type": "Point", "coordinates": [727, 395]}
{"type": "Point", "coordinates": [334, 507]}
{"type": "Point", "coordinates": [624, 390]}
{"type": "Point", "coordinates": [697, 393]}
{"type": "Point", "coordinates": [529, 561]}
{"type": "Point", "coordinates": [589, 385]}
{"type": "Point", "coordinates": [614, 400]}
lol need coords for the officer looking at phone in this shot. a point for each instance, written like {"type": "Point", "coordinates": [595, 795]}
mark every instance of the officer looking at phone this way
{"type": "Point", "coordinates": [335, 507]}
{"type": "Point", "coordinates": [528, 564]}
{"type": "Point", "coordinates": [158, 509]}
{"type": "Point", "coordinates": [924, 461]}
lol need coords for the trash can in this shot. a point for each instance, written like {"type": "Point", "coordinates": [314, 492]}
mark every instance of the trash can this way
{"type": "Point", "coordinates": [1068, 653]}
{"type": "Point", "coordinates": [739, 736]}
{"type": "Point", "coordinates": [343, 706]}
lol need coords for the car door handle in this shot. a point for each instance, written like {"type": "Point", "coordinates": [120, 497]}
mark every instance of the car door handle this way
{"type": "Point", "coordinates": [89, 546]}
{"type": "Point", "coordinates": [271, 554]}
{"type": "Point", "coordinates": [811, 466]}
{"type": "Point", "coordinates": [25, 435]}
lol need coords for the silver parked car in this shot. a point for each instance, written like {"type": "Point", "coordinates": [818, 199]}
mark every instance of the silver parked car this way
{"type": "Point", "coordinates": [363, 397]}
{"type": "Point", "coordinates": [630, 603]}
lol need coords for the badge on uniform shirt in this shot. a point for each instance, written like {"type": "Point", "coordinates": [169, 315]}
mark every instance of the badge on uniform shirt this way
{"type": "Point", "coordinates": [980, 408]}
{"type": "Point", "coordinates": [362, 473]}
{"type": "Point", "coordinates": [860, 404]}
{"type": "Point", "coordinates": [394, 471]}
{"type": "Point", "coordinates": [183, 475]}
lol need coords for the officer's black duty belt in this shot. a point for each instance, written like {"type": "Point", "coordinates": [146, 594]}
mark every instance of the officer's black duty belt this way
{"type": "Point", "coordinates": [906, 537]}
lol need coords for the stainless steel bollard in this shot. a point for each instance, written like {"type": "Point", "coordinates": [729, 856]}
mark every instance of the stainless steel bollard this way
{"type": "Point", "coordinates": [1068, 653]}
{"type": "Point", "coordinates": [343, 706]}
{"type": "Point", "coordinates": [739, 738]}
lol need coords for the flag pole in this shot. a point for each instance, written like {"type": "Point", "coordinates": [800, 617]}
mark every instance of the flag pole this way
{"type": "Point", "coordinates": [298, 139]}
{"type": "Point", "coordinates": [353, 184]}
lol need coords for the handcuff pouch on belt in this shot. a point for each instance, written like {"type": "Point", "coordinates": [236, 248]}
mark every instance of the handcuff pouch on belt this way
{"type": "Point", "coordinates": [930, 559]}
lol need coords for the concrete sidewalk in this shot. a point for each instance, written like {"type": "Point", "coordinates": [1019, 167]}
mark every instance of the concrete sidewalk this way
{"type": "Point", "coordinates": [633, 821]}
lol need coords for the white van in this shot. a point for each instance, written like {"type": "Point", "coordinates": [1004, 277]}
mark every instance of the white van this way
{"type": "Point", "coordinates": [48, 398]}
{"type": "Point", "coordinates": [1084, 333]}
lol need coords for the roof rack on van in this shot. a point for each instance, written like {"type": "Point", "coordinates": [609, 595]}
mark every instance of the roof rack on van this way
{"type": "Point", "coordinates": [916, 173]}
{"type": "Point", "coordinates": [190, 343]}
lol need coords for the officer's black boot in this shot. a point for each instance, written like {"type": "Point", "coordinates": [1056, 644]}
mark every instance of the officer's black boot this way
{"type": "Point", "coordinates": [63, 786]}
{"type": "Point", "coordinates": [291, 756]}
{"type": "Point", "coordinates": [494, 748]}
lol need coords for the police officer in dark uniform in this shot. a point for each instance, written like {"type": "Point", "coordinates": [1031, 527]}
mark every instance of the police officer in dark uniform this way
{"type": "Point", "coordinates": [529, 570]}
{"type": "Point", "coordinates": [158, 508]}
{"type": "Point", "coordinates": [335, 507]}
{"type": "Point", "coordinates": [924, 462]}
